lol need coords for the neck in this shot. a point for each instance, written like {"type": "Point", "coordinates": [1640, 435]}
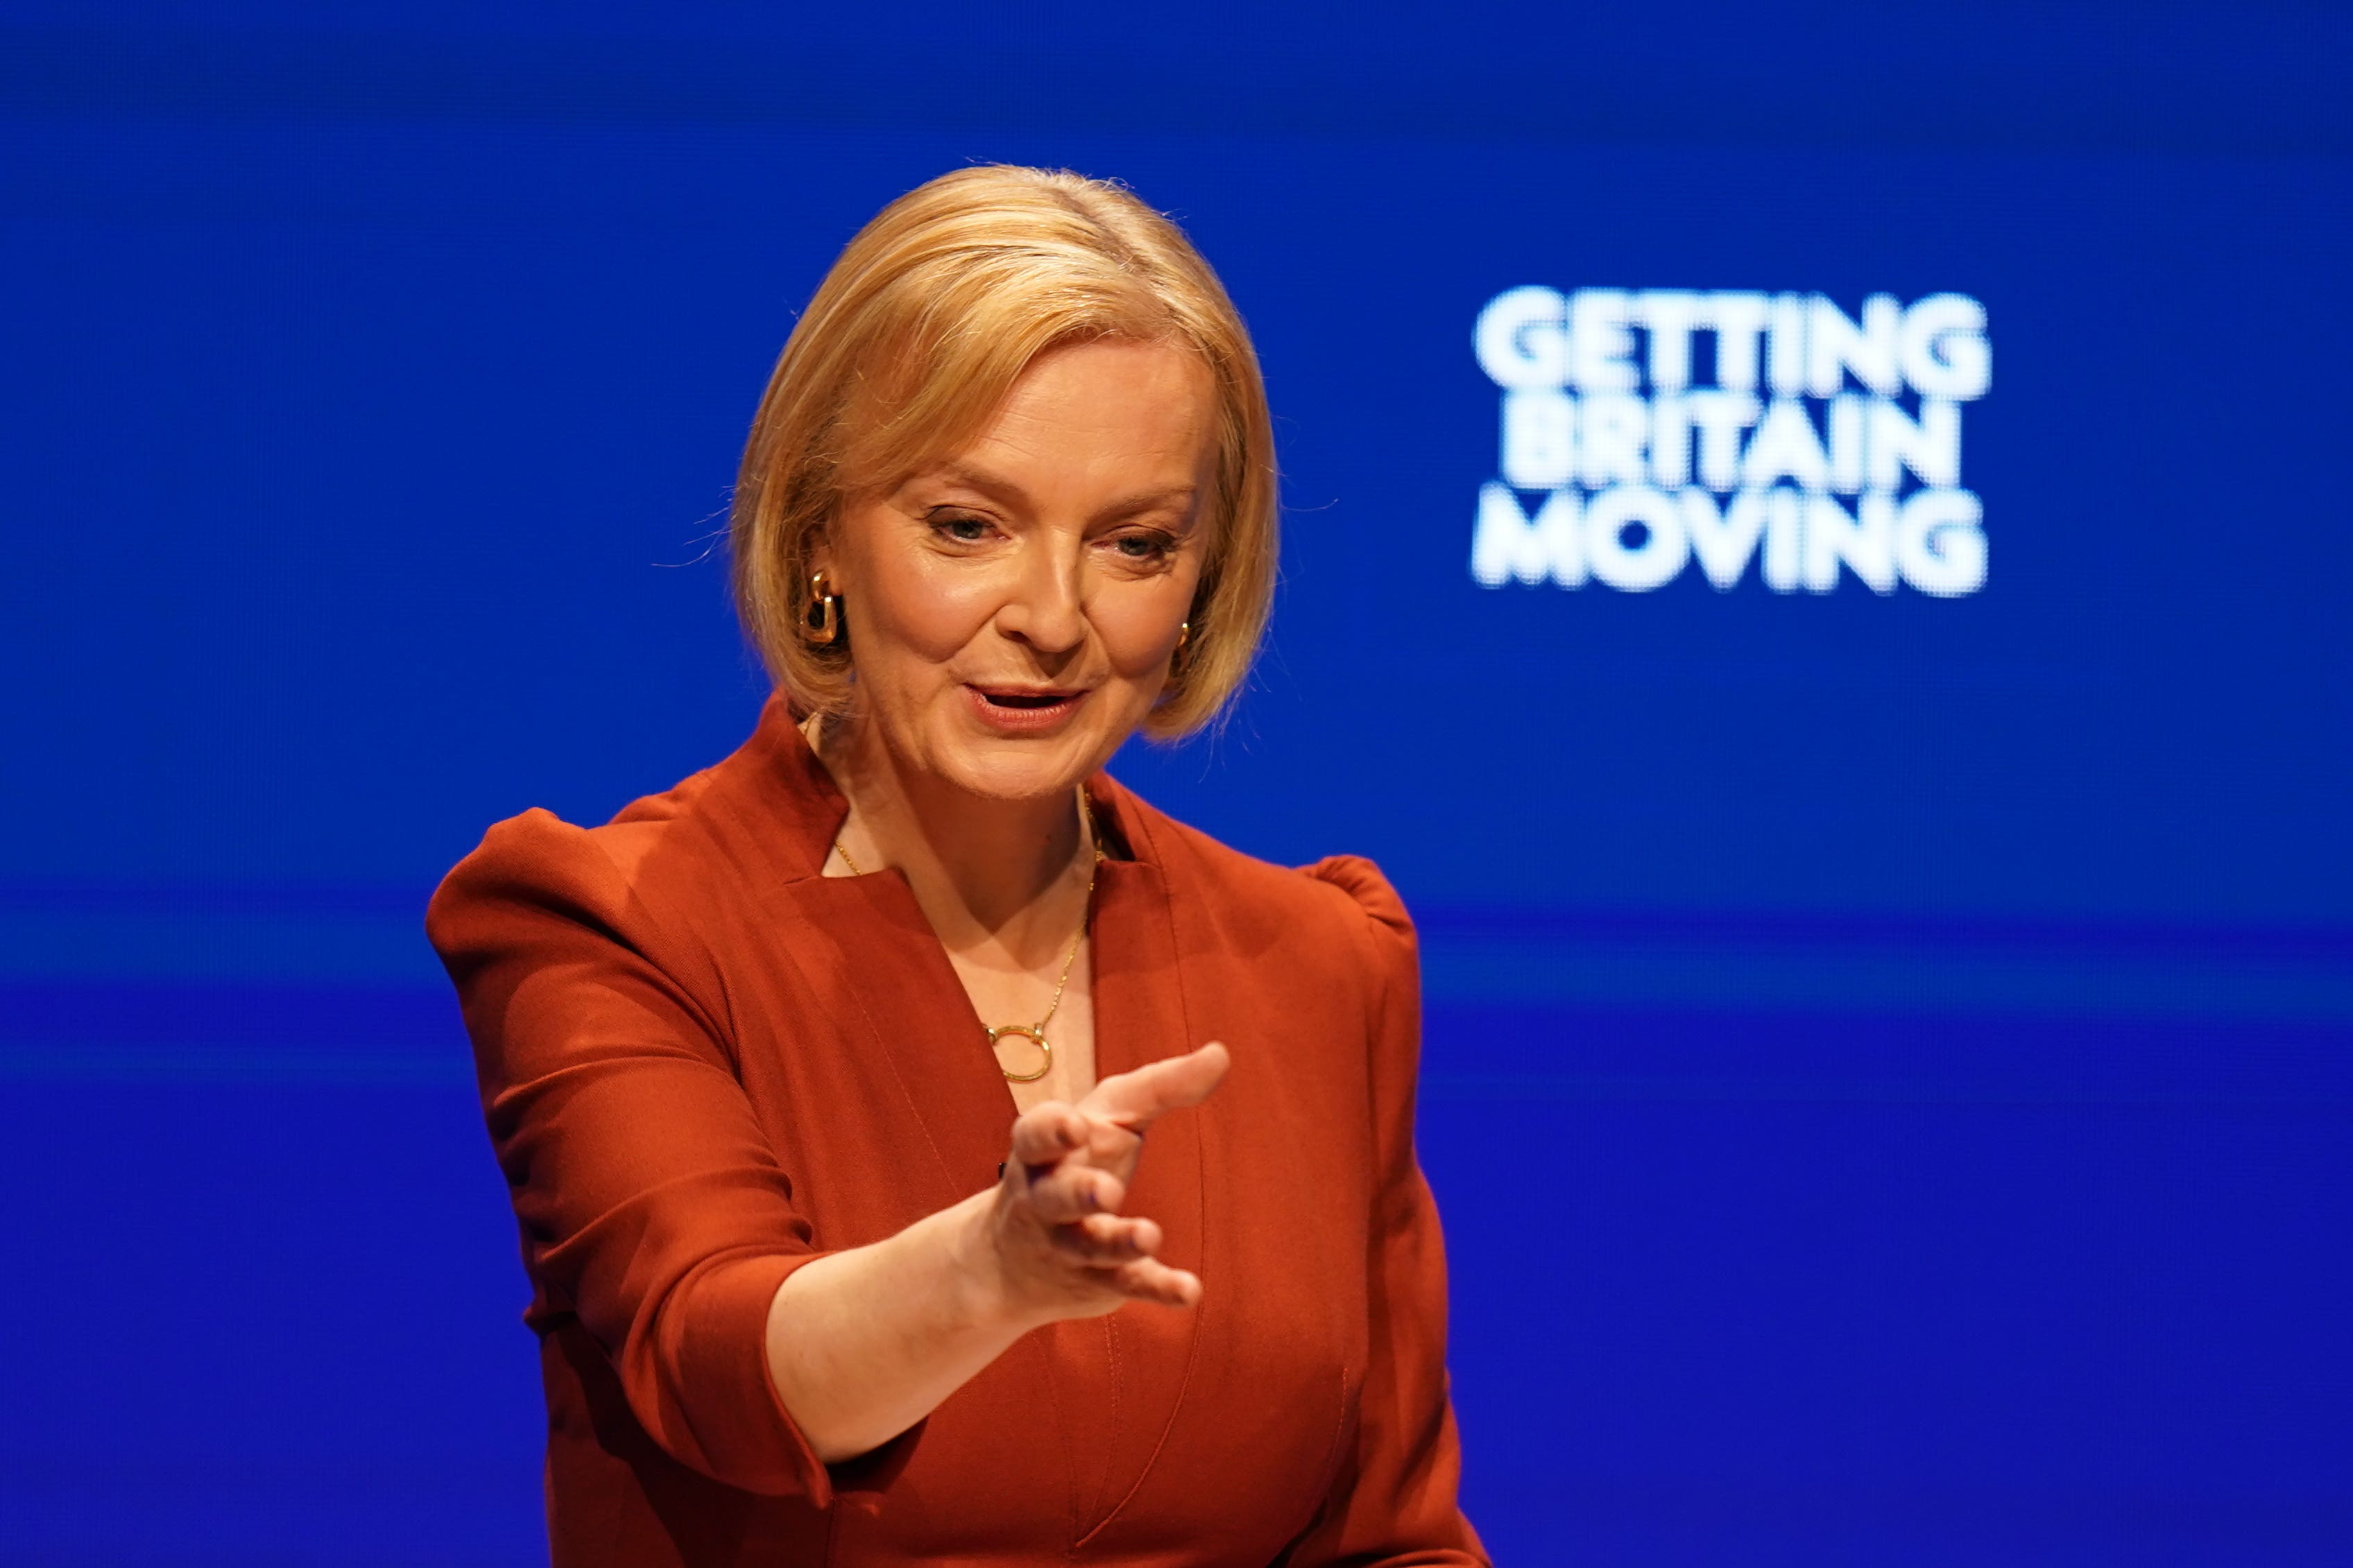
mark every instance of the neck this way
{"type": "Point", "coordinates": [991, 866]}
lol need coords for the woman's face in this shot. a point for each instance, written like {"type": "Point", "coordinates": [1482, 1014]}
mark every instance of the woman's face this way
{"type": "Point", "coordinates": [1013, 609]}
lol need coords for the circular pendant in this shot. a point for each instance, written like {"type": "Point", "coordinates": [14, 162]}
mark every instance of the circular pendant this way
{"type": "Point", "coordinates": [1027, 1032]}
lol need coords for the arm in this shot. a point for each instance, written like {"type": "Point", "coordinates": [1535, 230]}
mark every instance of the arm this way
{"type": "Point", "coordinates": [651, 1206]}
{"type": "Point", "coordinates": [863, 1344]}
{"type": "Point", "coordinates": [654, 1208]}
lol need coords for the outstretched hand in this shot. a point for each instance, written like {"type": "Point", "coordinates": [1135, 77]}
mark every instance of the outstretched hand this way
{"type": "Point", "coordinates": [1060, 1247]}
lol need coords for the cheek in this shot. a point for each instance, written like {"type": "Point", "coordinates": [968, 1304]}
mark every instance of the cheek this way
{"type": "Point", "coordinates": [1138, 626]}
{"type": "Point", "coordinates": [922, 611]}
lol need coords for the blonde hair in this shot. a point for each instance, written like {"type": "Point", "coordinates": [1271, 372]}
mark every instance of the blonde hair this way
{"type": "Point", "coordinates": [913, 341]}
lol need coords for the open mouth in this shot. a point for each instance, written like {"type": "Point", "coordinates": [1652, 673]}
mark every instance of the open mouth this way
{"type": "Point", "coordinates": [1020, 711]}
{"type": "Point", "coordinates": [1026, 699]}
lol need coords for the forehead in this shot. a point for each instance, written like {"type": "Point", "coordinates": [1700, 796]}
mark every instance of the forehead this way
{"type": "Point", "coordinates": [1110, 408]}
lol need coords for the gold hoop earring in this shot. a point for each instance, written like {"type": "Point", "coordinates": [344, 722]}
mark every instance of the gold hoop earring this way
{"type": "Point", "coordinates": [821, 618]}
{"type": "Point", "coordinates": [1184, 641]}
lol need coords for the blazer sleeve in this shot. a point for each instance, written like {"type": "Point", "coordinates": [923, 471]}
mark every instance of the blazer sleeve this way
{"type": "Point", "coordinates": [1393, 1498]}
{"type": "Point", "coordinates": [651, 1202]}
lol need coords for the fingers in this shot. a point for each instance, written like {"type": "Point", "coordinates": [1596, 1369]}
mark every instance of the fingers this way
{"type": "Point", "coordinates": [1135, 1099]}
{"type": "Point", "coordinates": [1067, 1193]}
{"type": "Point", "coordinates": [1149, 1280]}
{"type": "Point", "coordinates": [1050, 1169]}
{"type": "Point", "coordinates": [1108, 1241]}
{"type": "Point", "coordinates": [1123, 1249]}
{"type": "Point", "coordinates": [1044, 1133]}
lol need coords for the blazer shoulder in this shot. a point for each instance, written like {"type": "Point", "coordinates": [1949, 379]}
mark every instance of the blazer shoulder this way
{"type": "Point", "coordinates": [1392, 952]}
{"type": "Point", "coordinates": [1342, 896]}
{"type": "Point", "coordinates": [1374, 896]}
{"type": "Point", "coordinates": [537, 859]}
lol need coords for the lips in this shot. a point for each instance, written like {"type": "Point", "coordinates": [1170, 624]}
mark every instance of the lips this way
{"type": "Point", "coordinates": [1024, 710]}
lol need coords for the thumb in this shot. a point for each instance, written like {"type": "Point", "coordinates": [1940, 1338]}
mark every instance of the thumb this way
{"type": "Point", "coordinates": [1135, 1099]}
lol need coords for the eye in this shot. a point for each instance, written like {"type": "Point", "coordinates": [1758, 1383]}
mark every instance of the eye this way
{"type": "Point", "coordinates": [962, 526]}
{"type": "Point", "coordinates": [1144, 546]}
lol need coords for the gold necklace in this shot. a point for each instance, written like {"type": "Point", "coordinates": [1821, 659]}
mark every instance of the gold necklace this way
{"type": "Point", "coordinates": [1037, 1031]}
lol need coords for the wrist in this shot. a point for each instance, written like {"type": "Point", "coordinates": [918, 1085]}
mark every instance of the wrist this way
{"type": "Point", "coordinates": [986, 1290]}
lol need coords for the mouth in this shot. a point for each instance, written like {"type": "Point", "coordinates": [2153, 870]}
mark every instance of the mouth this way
{"type": "Point", "coordinates": [1024, 710]}
{"type": "Point", "coordinates": [1000, 698]}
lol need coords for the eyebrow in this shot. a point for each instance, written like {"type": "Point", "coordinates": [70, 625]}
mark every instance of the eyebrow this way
{"type": "Point", "coordinates": [996, 485]}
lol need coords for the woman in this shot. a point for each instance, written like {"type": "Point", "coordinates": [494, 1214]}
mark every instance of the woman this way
{"type": "Point", "coordinates": [822, 1082]}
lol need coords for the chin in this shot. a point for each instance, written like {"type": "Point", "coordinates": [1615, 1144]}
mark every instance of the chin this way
{"type": "Point", "coordinates": [1013, 770]}
{"type": "Point", "coordinates": [1018, 770]}
{"type": "Point", "coordinates": [947, 742]}
{"type": "Point", "coordinates": [1030, 767]}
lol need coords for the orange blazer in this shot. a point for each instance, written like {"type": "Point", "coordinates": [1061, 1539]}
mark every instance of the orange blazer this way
{"type": "Point", "coordinates": [705, 1064]}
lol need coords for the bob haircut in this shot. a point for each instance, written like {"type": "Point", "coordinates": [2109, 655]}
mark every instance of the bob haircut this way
{"type": "Point", "coordinates": [912, 344]}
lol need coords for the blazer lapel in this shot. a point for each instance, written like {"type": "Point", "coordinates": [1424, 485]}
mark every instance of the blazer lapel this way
{"type": "Point", "coordinates": [879, 974]}
{"type": "Point", "coordinates": [880, 970]}
{"type": "Point", "coordinates": [1141, 1016]}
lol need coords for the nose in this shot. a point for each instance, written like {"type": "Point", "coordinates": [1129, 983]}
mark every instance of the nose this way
{"type": "Point", "coordinates": [1047, 609]}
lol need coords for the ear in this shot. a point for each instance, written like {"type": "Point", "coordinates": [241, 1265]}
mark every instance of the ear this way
{"type": "Point", "coordinates": [819, 559]}
{"type": "Point", "coordinates": [823, 557]}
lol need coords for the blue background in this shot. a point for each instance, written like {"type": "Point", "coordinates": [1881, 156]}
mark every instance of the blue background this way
{"type": "Point", "coordinates": [1889, 1060]}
